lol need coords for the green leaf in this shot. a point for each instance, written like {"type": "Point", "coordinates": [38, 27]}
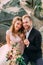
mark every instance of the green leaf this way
{"type": "Point", "coordinates": [20, 60]}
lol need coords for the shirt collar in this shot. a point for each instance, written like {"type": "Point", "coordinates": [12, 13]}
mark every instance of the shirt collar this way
{"type": "Point", "coordinates": [28, 32]}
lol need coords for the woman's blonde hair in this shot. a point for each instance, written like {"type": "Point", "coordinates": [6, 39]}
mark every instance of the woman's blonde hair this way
{"type": "Point", "coordinates": [17, 18]}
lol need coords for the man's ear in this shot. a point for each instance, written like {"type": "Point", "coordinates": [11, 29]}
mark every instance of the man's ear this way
{"type": "Point", "coordinates": [31, 22]}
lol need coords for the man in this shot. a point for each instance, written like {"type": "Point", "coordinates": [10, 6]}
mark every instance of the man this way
{"type": "Point", "coordinates": [32, 52]}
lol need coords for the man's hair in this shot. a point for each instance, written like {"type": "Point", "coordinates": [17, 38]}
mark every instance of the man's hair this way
{"type": "Point", "coordinates": [26, 15]}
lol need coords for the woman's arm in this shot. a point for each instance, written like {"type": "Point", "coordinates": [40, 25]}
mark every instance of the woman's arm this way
{"type": "Point", "coordinates": [8, 38]}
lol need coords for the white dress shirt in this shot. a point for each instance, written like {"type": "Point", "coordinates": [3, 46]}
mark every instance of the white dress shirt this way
{"type": "Point", "coordinates": [27, 34]}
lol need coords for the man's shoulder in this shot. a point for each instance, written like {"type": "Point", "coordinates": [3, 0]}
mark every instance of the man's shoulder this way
{"type": "Point", "coordinates": [36, 31]}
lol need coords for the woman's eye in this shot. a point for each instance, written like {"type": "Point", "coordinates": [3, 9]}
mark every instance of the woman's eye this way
{"type": "Point", "coordinates": [18, 23]}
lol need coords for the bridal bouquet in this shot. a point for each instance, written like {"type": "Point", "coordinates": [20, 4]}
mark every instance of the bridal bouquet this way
{"type": "Point", "coordinates": [14, 57]}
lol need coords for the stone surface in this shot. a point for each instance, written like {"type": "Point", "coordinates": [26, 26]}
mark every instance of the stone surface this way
{"type": "Point", "coordinates": [41, 31]}
{"type": "Point", "coordinates": [3, 29]}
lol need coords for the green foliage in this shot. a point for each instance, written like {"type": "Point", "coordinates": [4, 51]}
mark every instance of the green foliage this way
{"type": "Point", "coordinates": [38, 8]}
{"type": "Point", "coordinates": [20, 60]}
{"type": "Point", "coordinates": [34, 3]}
{"type": "Point", "coordinates": [38, 4]}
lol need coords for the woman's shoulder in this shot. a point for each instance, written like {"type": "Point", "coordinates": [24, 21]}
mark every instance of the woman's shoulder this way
{"type": "Point", "coordinates": [8, 31]}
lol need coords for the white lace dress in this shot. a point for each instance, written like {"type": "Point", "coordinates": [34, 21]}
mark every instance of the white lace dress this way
{"type": "Point", "coordinates": [5, 48]}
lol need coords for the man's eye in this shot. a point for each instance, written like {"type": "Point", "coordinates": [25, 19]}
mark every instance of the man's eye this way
{"type": "Point", "coordinates": [26, 21]}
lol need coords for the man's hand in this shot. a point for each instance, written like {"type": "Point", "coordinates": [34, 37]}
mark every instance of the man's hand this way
{"type": "Point", "coordinates": [26, 42]}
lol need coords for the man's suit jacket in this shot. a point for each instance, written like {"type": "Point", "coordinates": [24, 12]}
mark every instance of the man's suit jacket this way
{"type": "Point", "coordinates": [33, 51]}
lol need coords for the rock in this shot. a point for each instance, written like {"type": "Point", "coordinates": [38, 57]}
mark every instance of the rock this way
{"type": "Point", "coordinates": [3, 29]}
{"type": "Point", "coordinates": [41, 31]}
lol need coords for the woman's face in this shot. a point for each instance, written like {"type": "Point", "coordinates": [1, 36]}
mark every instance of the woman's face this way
{"type": "Point", "coordinates": [18, 25]}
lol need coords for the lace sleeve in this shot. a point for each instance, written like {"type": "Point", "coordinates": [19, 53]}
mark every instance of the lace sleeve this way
{"type": "Point", "coordinates": [8, 32]}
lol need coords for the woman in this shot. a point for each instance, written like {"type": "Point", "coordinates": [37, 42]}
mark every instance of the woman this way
{"type": "Point", "coordinates": [13, 36]}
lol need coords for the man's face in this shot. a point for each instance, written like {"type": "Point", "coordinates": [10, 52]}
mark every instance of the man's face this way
{"type": "Point", "coordinates": [27, 23]}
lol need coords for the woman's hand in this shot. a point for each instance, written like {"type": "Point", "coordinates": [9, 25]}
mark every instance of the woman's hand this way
{"type": "Point", "coordinates": [22, 36]}
{"type": "Point", "coordinates": [26, 42]}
